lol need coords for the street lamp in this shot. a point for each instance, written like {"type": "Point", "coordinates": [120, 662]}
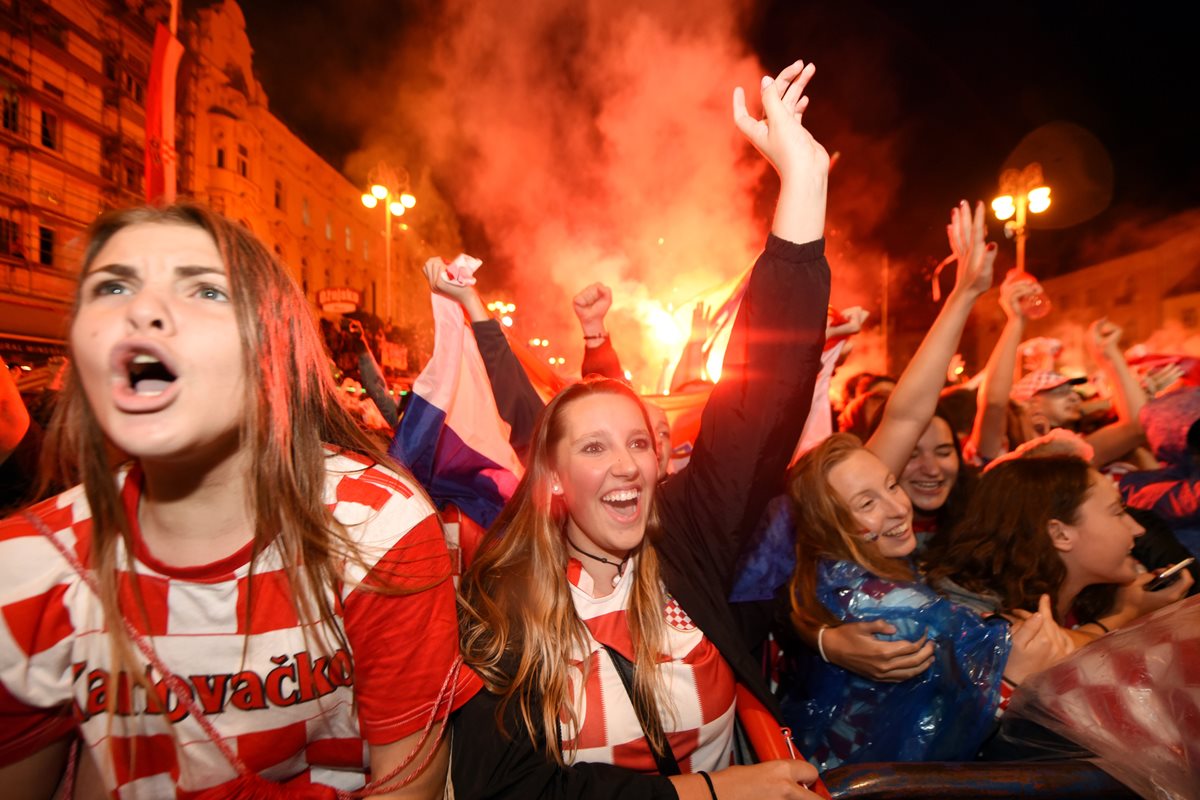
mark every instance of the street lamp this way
{"type": "Point", "coordinates": [1023, 191]}
{"type": "Point", "coordinates": [386, 188]}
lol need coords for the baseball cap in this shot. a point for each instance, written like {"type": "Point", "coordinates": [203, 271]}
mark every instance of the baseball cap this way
{"type": "Point", "coordinates": [1043, 380]}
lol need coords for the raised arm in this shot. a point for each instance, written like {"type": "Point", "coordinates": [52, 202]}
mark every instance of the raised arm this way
{"type": "Point", "coordinates": [591, 305]}
{"type": "Point", "coordinates": [912, 402]}
{"type": "Point", "coordinates": [987, 436]}
{"type": "Point", "coordinates": [754, 416]}
{"type": "Point", "coordinates": [516, 399]}
{"type": "Point", "coordinates": [372, 376]}
{"type": "Point", "coordinates": [1115, 440]}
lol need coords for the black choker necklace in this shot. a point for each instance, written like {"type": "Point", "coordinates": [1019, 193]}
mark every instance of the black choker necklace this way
{"type": "Point", "coordinates": [620, 566]}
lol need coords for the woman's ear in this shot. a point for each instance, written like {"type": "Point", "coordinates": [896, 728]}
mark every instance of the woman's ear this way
{"type": "Point", "coordinates": [1063, 536]}
{"type": "Point", "coordinates": [556, 487]}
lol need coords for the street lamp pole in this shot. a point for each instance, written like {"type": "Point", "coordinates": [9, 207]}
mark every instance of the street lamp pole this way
{"type": "Point", "coordinates": [1023, 192]}
{"type": "Point", "coordinates": [392, 190]}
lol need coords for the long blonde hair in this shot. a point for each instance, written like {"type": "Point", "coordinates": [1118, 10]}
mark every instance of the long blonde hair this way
{"type": "Point", "coordinates": [292, 412]}
{"type": "Point", "coordinates": [517, 620]}
{"type": "Point", "coordinates": [825, 528]}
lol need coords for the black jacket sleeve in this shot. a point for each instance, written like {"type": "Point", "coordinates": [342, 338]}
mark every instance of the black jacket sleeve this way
{"type": "Point", "coordinates": [517, 401]}
{"type": "Point", "coordinates": [487, 763]}
{"type": "Point", "coordinates": [754, 417]}
{"type": "Point", "coordinates": [603, 361]}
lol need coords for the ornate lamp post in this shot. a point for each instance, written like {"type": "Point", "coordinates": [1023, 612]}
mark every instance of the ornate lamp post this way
{"type": "Point", "coordinates": [1023, 192]}
{"type": "Point", "coordinates": [390, 189]}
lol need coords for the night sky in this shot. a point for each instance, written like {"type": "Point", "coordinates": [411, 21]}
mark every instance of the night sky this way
{"type": "Point", "coordinates": [950, 88]}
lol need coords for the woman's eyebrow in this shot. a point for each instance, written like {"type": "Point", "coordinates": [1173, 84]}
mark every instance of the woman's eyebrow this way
{"type": "Point", "coordinates": [192, 271]}
{"type": "Point", "coordinates": [119, 270]}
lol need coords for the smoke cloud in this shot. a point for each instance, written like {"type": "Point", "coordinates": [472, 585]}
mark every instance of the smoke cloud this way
{"type": "Point", "coordinates": [593, 141]}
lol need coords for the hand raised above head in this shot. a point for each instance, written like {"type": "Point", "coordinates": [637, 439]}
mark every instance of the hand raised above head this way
{"type": "Point", "coordinates": [440, 283]}
{"type": "Point", "coordinates": [781, 136]}
{"type": "Point", "coordinates": [1104, 338]}
{"type": "Point", "coordinates": [967, 234]}
{"type": "Point", "coordinates": [1013, 291]}
{"type": "Point", "coordinates": [592, 303]}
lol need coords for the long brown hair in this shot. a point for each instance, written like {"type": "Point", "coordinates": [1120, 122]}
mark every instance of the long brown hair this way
{"type": "Point", "coordinates": [825, 528]}
{"type": "Point", "coordinates": [292, 412]}
{"type": "Point", "coordinates": [518, 623]}
{"type": "Point", "coordinates": [1002, 545]}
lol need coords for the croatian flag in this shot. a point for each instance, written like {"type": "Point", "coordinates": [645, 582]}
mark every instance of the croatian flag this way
{"type": "Point", "coordinates": [451, 436]}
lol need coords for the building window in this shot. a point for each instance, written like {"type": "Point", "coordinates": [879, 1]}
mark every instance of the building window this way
{"type": "Point", "coordinates": [349, 241]}
{"type": "Point", "coordinates": [133, 87]}
{"type": "Point", "coordinates": [10, 239]}
{"type": "Point", "coordinates": [279, 194]}
{"type": "Point", "coordinates": [50, 88]}
{"type": "Point", "coordinates": [45, 245]}
{"type": "Point", "coordinates": [49, 130]}
{"type": "Point", "coordinates": [243, 162]}
{"type": "Point", "coordinates": [133, 178]}
{"type": "Point", "coordinates": [12, 113]}
{"type": "Point", "coordinates": [220, 158]}
{"type": "Point", "coordinates": [329, 227]}
{"type": "Point", "coordinates": [305, 213]}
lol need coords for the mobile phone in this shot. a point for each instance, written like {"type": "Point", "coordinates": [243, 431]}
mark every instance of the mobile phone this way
{"type": "Point", "coordinates": [1169, 575]}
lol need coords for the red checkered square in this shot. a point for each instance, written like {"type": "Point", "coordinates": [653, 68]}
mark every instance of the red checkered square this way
{"type": "Point", "coordinates": [272, 688]}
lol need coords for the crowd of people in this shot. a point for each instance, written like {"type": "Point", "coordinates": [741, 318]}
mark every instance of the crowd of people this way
{"type": "Point", "coordinates": [229, 588]}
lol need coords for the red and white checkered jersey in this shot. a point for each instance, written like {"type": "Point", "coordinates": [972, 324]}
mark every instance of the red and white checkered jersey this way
{"type": "Point", "coordinates": [292, 703]}
{"type": "Point", "coordinates": [700, 684]}
{"type": "Point", "coordinates": [1132, 697]}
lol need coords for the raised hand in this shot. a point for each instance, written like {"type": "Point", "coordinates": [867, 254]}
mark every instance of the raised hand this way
{"type": "Point", "coordinates": [855, 317]}
{"type": "Point", "coordinates": [465, 296]}
{"type": "Point", "coordinates": [1161, 378]}
{"type": "Point", "coordinates": [781, 136]}
{"type": "Point", "coordinates": [590, 306]}
{"type": "Point", "coordinates": [975, 256]}
{"type": "Point", "coordinates": [1013, 292]}
{"type": "Point", "coordinates": [802, 163]}
{"type": "Point", "coordinates": [1104, 339]}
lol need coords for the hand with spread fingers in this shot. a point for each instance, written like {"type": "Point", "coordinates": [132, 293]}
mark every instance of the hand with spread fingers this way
{"type": "Point", "coordinates": [801, 161]}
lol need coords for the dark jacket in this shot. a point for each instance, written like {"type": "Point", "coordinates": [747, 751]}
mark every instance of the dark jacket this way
{"type": "Point", "coordinates": [748, 429]}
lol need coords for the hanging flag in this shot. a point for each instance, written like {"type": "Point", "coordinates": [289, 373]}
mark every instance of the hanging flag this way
{"type": "Point", "coordinates": [160, 155]}
{"type": "Point", "coordinates": [451, 436]}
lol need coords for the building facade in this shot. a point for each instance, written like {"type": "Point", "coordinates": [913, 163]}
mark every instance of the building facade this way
{"type": "Point", "coordinates": [1152, 293]}
{"type": "Point", "coordinates": [73, 76]}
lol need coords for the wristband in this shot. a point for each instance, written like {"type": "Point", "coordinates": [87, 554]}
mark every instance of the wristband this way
{"type": "Point", "coordinates": [708, 780]}
{"type": "Point", "coordinates": [821, 643]}
{"type": "Point", "coordinates": [599, 337]}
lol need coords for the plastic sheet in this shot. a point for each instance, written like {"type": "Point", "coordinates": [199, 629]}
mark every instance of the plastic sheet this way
{"type": "Point", "coordinates": [1133, 699]}
{"type": "Point", "coordinates": [944, 714]}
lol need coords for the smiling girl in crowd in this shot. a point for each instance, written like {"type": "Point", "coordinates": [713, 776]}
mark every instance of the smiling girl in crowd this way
{"type": "Point", "coordinates": [854, 579]}
{"type": "Point", "coordinates": [1049, 525]}
{"type": "Point", "coordinates": [595, 610]}
{"type": "Point", "coordinates": [255, 593]}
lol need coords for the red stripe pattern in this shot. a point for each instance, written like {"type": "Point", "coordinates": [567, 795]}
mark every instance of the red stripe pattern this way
{"type": "Point", "coordinates": [291, 702]}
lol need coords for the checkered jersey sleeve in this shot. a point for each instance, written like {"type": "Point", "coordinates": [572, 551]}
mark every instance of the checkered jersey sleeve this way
{"type": "Point", "coordinates": [39, 619]}
{"type": "Point", "coordinates": [399, 606]}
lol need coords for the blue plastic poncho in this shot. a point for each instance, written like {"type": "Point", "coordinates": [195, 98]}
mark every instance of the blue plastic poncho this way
{"type": "Point", "coordinates": [944, 714]}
